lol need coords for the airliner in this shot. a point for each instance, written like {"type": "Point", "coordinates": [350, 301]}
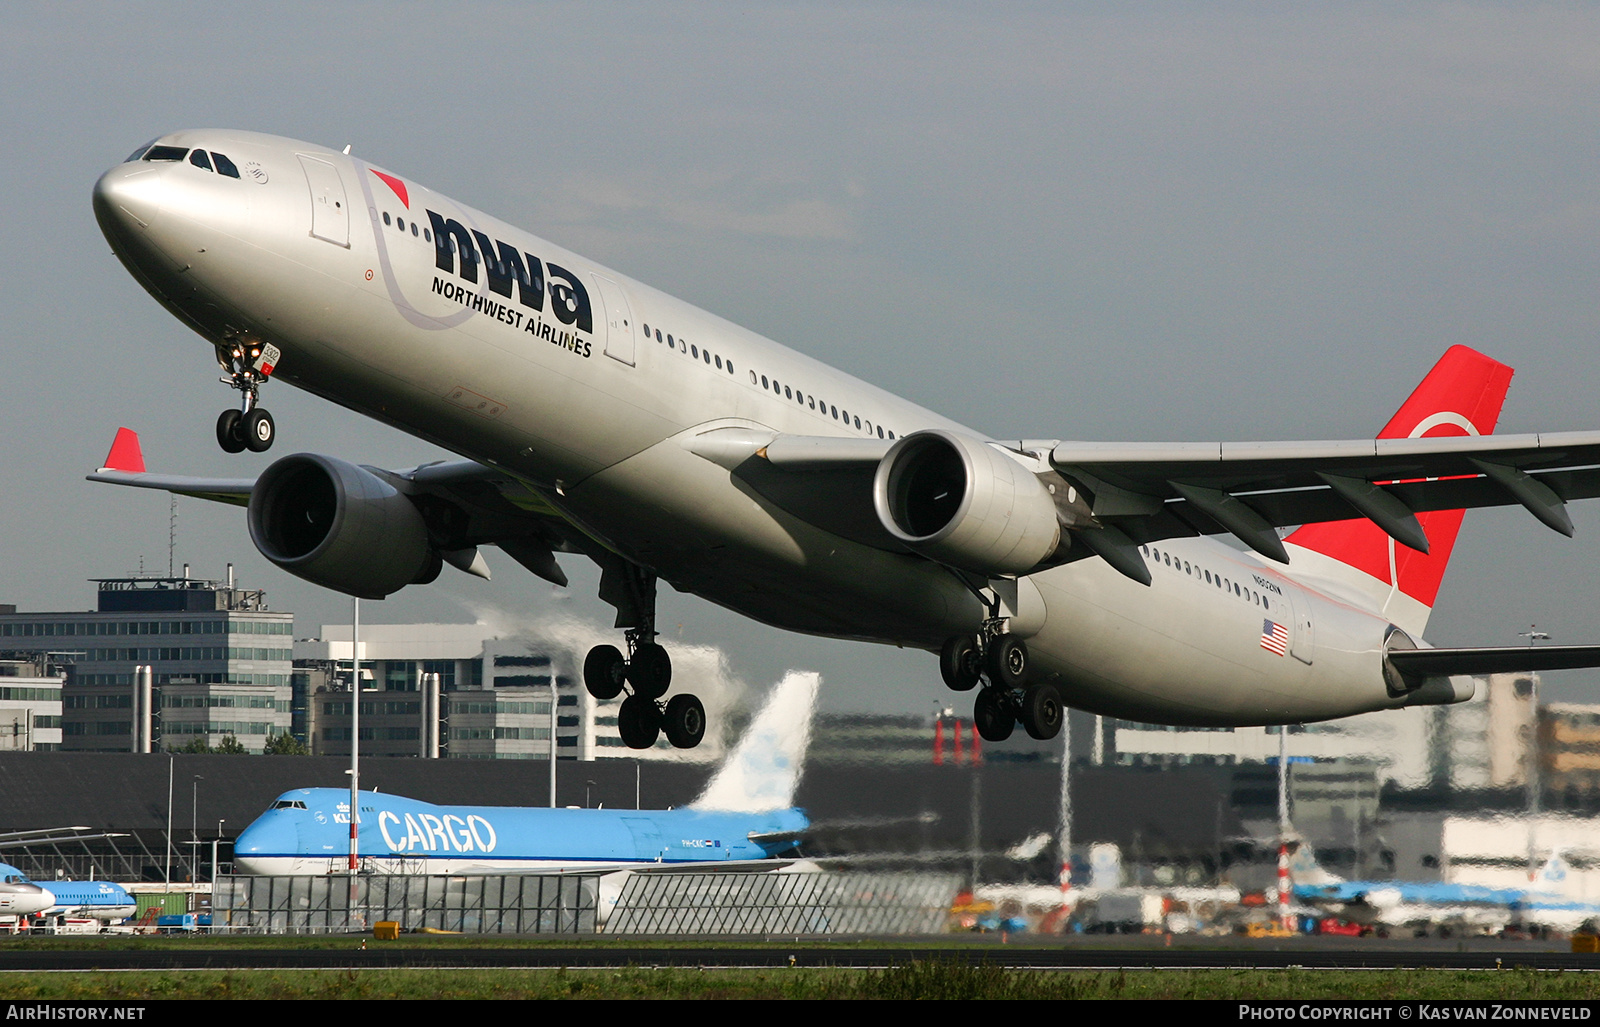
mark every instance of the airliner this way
{"type": "Point", "coordinates": [598, 417]}
{"type": "Point", "coordinates": [1547, 903]}
{"type": "Point", "coordinates": [745, 813]}
{"type": "Point", "coordinates": [101, 900]}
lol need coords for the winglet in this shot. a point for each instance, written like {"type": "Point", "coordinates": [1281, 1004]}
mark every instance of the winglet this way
{"type": "Point", "coordinates": [125, 454]}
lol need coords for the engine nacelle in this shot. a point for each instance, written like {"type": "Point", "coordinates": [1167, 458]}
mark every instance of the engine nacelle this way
{"type": "Point", "coordinates": [339, 526]}
{"type": "Point", "coordinates": [961, 502]}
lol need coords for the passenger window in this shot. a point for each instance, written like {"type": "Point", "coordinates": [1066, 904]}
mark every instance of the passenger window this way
{"type": "Point", "coordinates": [811, 401]}
{"type": "Point", "coordinates": [658, 339]}
{"type": "Point", "coordinates": [224, 165]}
{"type": "Point", "coordinates": [786, 393]}
{"type": "Point", "coordinates": [646, 331]}
{"type": "Point", "coordinates": [719, 363]}
{"type": "Point", "coordinates": [835, 412]}
{"type": "Point", "coordinates": [694, 351]}
{"type": "Point", "coordinates": [166, 153]}
{"type": "Point", "coordinates": [199, 159]}
{"type": "Point", "coordinates": [400, 223]}
{"type": "Point", "coordinates": [414, 232]}
{"type": "Point", "coordinates": [427, 235]}
{"type": "Point", "coordinates": [386, 219]}
{"type": "Point", "coordinates": [858, 424]}
{"type": "Point", "coordinates": [705, 354]}
{"type": "Point", "coordinates": [752, 377]}
{"type": "Point", "coordinates": [669, 339]}
{"type": "Point", "coordinates": [730, 367]}
{"type": "Point", "coordinates": [763, 380]}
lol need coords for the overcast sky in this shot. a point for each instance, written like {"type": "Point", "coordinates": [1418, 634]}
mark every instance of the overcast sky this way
{"type": "Point", "coordinates": [1093, 221]}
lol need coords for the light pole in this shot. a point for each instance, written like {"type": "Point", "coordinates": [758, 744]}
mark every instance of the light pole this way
{"type": "Point", "coordinates": [214, 843]}
{"type": "Point", "coordinates": [1535, 783]}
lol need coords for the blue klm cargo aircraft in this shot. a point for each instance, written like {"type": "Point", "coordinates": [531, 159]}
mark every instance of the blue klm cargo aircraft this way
{"type": "Point", "coordinates": [745, 813]}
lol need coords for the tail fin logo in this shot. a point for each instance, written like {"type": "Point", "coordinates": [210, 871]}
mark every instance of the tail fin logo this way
{"type": "Point", "coordinates": [1461, 395]}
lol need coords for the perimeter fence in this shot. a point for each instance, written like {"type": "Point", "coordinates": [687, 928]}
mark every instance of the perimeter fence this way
{"type": "Point", "coordinates": [508, 904]}
{"type": "Point", "coordinates": [629, 903]}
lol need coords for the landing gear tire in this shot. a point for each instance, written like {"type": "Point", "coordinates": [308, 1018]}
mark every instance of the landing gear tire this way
{"type": "Point", "coordinates": [638, 722]}
{"type": "Point", "coordinates": [685, 722]}
{"type": "Point", "coordinates": [259, 430]}
{"type": "Point", "coordinates": [604, 670]}
{"type": "Point", "coordinates": [992, 715]}
{"type": "Point", "coordinates": [650, 671]}
{"type": "Point", "coordinates": [230, 433]}
{"type": "Point", "coordinates": [1041, 712]}
{"type": "Point", "coordinates": [960, 663]}
{"type": "Point", "coordinates": [1007, 662]}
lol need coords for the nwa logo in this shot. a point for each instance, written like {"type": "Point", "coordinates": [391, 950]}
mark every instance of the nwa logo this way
{"type": "Point", "coordinates": [459, 251]}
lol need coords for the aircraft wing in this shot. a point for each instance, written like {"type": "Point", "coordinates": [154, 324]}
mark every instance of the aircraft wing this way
{"type": "Point", "coordinates": [1161, 490]}
{"type": "Point", "coordinates": [1149, 491]}
{"type": "Point", "coordinates": [495, 507]}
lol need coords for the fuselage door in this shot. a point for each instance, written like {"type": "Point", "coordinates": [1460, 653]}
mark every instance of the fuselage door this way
{"type": "Point", "coordinates": [330, 214]}
{"type": "Point", "coordinates": [1301, 636]}
{"type": "Point", "coordinates": [617, 317]}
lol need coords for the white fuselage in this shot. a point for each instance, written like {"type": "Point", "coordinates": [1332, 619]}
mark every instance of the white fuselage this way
{"type": "Point", "coordinates": [365, 316]}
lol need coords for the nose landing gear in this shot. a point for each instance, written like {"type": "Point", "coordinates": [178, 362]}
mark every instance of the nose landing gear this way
{"type": "Point", "coordinates": [250, 427]}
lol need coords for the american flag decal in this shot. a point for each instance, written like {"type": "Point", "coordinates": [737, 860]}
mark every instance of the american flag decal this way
{"type": "Point", "coordinates": [1274, 637]}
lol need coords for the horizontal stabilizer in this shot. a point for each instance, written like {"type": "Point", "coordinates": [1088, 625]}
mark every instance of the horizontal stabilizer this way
{"type": "Point", "coordinates": [1493, 660]}
{"type": "Point", "coordinates": [221, 490]}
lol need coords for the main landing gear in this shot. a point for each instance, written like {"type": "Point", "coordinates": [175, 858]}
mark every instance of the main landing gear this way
{"type": "Point", "coordinates": [999, 661]}
{"type": "Point", "coordinates": [250, 427]}
{"type": "Point", "coordinates": [646, 672]}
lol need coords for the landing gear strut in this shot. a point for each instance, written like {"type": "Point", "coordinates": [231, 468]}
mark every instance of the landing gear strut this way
{"type": "Point", "coordinates": [646, 672]}
{"type": "Point", "coordinates": [1006, 698]}
{"type": "Point", "coordinates": [250, 427]}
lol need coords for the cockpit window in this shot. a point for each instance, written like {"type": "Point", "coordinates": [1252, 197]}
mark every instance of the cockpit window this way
{"type": "Point", "coordinates": [288, 804]}
{"type": "Point", "coordinates": [136, 154]}
{"type": "Point", "coordinates": [224, 165]}
{"type": "Point", "coordinates": [16, 879]}
{"type": "Point", "coordinates": [166, 153]}
{"type": "Point", "coordinates": [199, 159]}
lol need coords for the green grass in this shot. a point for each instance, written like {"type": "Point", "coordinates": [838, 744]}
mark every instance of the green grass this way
{"type": "Point", "coordinates": [916, 980]}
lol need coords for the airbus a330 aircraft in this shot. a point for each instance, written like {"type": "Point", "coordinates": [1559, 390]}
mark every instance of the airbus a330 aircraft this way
{"type": "Point", "coordinates": [597, 416]}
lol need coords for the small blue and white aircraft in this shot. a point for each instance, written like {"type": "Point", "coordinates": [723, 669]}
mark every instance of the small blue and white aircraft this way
{"type": "Point", "coordinates": [745, 813]}
{"type": "Point", "coordinates": [102, 900]}
{"type": "Point", "coordinates": [1545, 903]}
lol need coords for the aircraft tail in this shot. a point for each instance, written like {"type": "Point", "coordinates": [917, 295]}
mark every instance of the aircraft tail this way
{"type": "Point", "coordinates": [1461, 396]}
{"type": "Point", "coordinates": [764, 768]}
{"type": "Point", "coordinates": [1304, 868]}
{"type": "Point", "coordinates": [1553, 878]}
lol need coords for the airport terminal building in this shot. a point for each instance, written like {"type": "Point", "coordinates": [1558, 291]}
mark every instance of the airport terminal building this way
{"type": "Point", "coordinates": [220, 661]}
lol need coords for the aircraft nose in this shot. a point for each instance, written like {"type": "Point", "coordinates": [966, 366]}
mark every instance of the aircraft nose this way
{"type": "Point", "coordinates": [269, 835]}
{"type": "Point", "coordinates": [127, 199]}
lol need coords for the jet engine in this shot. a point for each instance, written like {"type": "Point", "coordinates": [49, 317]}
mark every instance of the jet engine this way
{"type": "Point", "coordinates": [340, 526]}
{"type": "Point", "coordinates": [964, 503]}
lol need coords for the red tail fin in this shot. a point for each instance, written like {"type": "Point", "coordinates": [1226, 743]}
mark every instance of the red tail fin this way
{"type": "Point", "coordinates": [125, 454]}
{"type": "Point", "coordinates": [1460, 396]}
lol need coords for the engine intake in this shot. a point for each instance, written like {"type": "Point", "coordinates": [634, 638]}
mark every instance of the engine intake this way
{"type": "Point", "coordinates": [339, 526]}
{"type": "Point", "coordinates": [961, 502]}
